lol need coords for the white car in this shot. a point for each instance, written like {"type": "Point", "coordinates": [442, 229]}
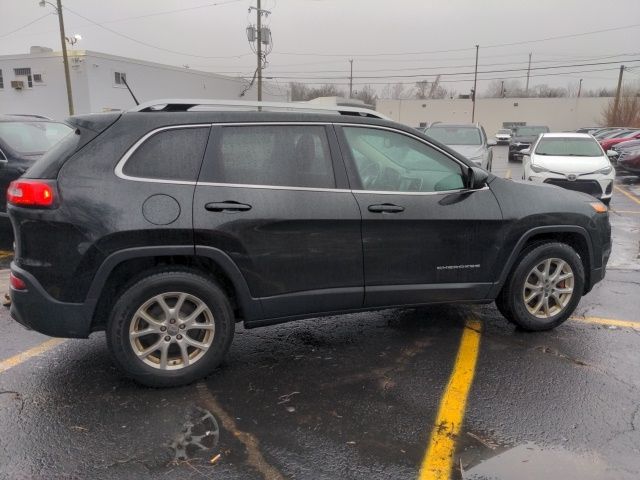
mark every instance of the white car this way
{"type": "Point", "coordinates": [574, 161]}
{"type": "Point", "coordinates": [503, 135]}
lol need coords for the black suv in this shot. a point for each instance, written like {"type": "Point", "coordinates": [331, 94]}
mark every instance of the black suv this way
{"type": "Point", "coordinates": [522, 138]}
{"type": "Point", "coordinates": [164, 228]}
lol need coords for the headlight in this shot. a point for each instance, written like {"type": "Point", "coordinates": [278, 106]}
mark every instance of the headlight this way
{"type": "Point", "coordinates": [538, 168]}
{"type": "Point", "coordinates": [605, 171]}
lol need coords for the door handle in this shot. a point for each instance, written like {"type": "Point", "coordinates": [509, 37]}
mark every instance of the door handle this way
{"type": "Point", "coordinates": [228, 206]}
{"type": "Point", "coordinates": [386, 208]}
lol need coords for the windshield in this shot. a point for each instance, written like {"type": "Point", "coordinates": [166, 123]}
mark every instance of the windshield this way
{"type": "Point", "coordinates": [455, 135]}
{"type": "Point", "coordinates": [568, 147]}
{"type": "Point", "coordinates": [32, 138]}
{"type": "Point", "coordinates": [626, 134]}
{"type": "Point", "coordinates": [607, 133]}
{"type": "Point", "coordinates": [504, 131]}
{"type": "Point", "coordinates": [531, 131]}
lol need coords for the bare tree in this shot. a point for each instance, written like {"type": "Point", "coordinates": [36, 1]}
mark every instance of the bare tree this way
{"type": "Point", "coordinates": [367, 94]}
{"type": "Point", "coordinates": [421, 89]}
{"type": "Point", "coordinates": [494, 89]}
{"type": "Point", "coordinates": [628, 112]}
{"type": "Point", "coordinates": [326, 90]}
{"type": "Point", "coordinates": [396, 91]}
{"type": "Point", "coordinates": [299, 91]}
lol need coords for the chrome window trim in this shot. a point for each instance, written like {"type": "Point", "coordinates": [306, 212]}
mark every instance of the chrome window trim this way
{"type": "Point", "coordinates": [3, 157]}
{"type": "Point", "coordinates": [120, 166]}
{"type": "Point", "coordinates": [121, 163]}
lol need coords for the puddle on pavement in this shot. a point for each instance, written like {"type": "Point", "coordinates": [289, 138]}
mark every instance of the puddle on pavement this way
{"type": "Point", "coordinates": [199, 436]}
{"type": "Point", "coordinates": [531, 462]}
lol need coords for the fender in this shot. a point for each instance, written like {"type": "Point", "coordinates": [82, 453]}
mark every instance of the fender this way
{"type": "Point", "coordinates": [251, 307]}
{"type": "Point", "coordinates": [526, 236]}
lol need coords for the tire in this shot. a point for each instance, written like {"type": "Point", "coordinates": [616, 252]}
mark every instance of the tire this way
{"type": "Point", "coordinates": [511, 158]}
{"type": "Point", "coordinates": [511, 300]}
{"type": "Point", "coordinates": [212, 328]}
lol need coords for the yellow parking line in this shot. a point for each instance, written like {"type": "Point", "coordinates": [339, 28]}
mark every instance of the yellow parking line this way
{"type": "Point", "coordinates": [624, 192]}
{"type": "Point", "coordinates": [608, 321]}
{"type": "Point", "coordinates": [438, 460]}
{"type": "Point", "coordinates": [26, 355]}
{"type": "Point", "coordinates": [625, 211]}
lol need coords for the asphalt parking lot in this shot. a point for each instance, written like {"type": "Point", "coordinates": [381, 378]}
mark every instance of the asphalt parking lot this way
{"type": "Point", "coordinates": [393, 394]}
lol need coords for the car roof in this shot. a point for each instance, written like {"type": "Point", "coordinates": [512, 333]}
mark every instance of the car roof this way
{"type": "Point", "coordinates": [567, 135]}
{"type": "Point", "coordinates": [464, 125]}
{"type": "Point", "coordinates": [24, 118]}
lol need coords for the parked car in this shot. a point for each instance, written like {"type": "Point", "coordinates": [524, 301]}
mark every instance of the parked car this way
{"type": "Point", "coordinates": [165, 226]}
{"type": "Point", "coordinates": [628, 158]}
{"type": "Point", "coordinates": [469, 140]}
{"type": "Point", "coordinates": [607, 132]}
{"type": "Point", "coordinates": [503, 136]}
{"type": "Point", "coordinates": [626, 135]}
{"type": "Point", "coordinates": [522, 139]}
{"type": "Point", "coordinates": [23, 140]}
{"type": "Point", "coordinates": [574, 161]}
{"type": "Point", "coordinates": [589, 130]}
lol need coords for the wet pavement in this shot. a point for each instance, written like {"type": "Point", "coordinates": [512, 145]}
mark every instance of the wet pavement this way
{"type": "Point", "coordinates": [352, 396]}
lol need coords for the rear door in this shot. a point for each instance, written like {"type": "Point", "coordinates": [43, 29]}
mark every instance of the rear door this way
{"type": "Point", "coordinates": [270, 196]}
{"type": "Point", "coordinates": [426, 237]}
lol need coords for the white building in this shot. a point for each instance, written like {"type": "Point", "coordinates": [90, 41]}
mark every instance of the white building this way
{"type": "Point", "coordinates": [557, 113]}
{"type": "Point", "coordinates": [35, 84]}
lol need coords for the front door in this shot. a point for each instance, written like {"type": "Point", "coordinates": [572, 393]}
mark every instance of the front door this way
{"type": "Point", "coordinates": [270, 198]}
{"type": "Point", "coordinates": [426, 237]}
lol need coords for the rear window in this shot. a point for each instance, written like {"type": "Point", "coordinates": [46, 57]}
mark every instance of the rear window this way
{"type": "Point", "coordinates": [174, 154]}
{"type": "Point", "coordinates": [531, 131]}
{"type": "Point", "coordinates": [455, 135]}
{"type": "Point", "coordinates": [275, 155]}
{"type": "Point", "coordinates": [32, 138]}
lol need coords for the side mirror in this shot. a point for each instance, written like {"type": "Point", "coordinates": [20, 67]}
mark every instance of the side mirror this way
{"type": "Point", "coordinates": [612, 154]}
{"type": "Point", "coordinates": [477, 178]}
{"type": "Point", "coordinates": [526, 152]}
{"type": "Point", "coordinates": [491, 143]}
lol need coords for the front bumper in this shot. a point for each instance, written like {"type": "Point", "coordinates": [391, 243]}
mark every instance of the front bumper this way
{"type": "Point", "coordinates": [35, 309]}
{"type": "Point", "coordinates": [599, 186]}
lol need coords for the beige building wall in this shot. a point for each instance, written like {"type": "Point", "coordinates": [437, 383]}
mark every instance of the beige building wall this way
{"type": "Point", "coordinates": [558, 114]}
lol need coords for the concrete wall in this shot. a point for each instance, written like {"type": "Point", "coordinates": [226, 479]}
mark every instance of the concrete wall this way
{"type": "Point", "coordinates": [94, 88]}
{"type": "Point", "coordinates": [557, 113]}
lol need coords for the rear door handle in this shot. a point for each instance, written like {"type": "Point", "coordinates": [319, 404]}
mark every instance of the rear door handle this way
{"type": "Point", "coordinates": [228, 206]}
{"type": "Point", "coordinates": [386, 208]}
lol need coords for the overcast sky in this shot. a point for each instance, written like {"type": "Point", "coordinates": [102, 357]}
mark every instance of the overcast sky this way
{"type": "Point", "coordinates": [316, 38]}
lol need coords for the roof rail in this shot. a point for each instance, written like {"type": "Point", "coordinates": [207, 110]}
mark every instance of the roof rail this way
{"type": "Point", "coordinates": [188, 104]}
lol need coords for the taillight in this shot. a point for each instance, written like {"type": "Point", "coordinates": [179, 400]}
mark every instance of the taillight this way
{"type": "Point", "coordinates": [32, 193]}
{"type": "Point", "coordinates": [16, 283]}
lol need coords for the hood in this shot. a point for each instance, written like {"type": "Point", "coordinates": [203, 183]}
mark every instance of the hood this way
{"type": "Point", "coordinates": [468, 151]}
{"type": "Point", "coordinates": [524, 139]}
{"type": "Point", "coordinates": [566, 165]}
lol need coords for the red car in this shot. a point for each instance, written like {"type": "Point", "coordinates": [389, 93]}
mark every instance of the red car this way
{"type": "Point", "coordinates": [607, 143]}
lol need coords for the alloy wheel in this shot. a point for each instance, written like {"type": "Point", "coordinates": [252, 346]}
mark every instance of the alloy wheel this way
{"type": "Point", "coordinates": [548, 288]}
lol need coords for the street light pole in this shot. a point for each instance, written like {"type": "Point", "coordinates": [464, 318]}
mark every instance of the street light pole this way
{"type": "Point", "coordinates": [259, 48]}
{"type": "Point", "coordinates": [65, 58]}
{"type": "Point", "coordinates": [475, 82]}
{"type": "Point", "coordinates": [580, 88]}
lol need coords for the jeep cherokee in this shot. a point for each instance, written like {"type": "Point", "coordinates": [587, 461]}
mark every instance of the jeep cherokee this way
{"type": "Point", "coordinates": [167, 226]}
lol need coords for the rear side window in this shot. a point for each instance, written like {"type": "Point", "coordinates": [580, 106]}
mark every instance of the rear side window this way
{"type": "Point", "coordinates": [275, 155]}
{"type": "Point", "coordinates": [174, 154]}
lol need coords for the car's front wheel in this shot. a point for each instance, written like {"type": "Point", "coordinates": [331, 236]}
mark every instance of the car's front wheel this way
{"type": "Point", "coordinates": [170, 328]}
{"type": "Point", "coordinates": [544, 287]}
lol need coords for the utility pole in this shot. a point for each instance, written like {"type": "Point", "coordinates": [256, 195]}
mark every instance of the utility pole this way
{"type": "Point", "coordinates": [63, 41]}
{"type": "Point", "coordinates": [616, 103]}
{"type": "Point", "coordinates": [259, 48]}
{"type": "Point", "coordinates": [351, 78]}
{"type": "Point", "coordinates": [526, 90]}
{"type": "Point", "coordinates": [579, 88]}
{"type": "Point", "coordinates": [502, 89]}
{"type": "Point", "coordinates": [475, 82]}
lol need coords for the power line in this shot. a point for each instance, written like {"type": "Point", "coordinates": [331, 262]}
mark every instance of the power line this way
{"type": "Point", "coordinates": [25, 25]}
{"type": "Point", "coordinates": [135, 40]}
{"type": "Point", "coordinates": [557, 74]}
{"type": "Point", "coordinates": [497, 45]}
{"type": "Point", "coordinates": [457, 73]}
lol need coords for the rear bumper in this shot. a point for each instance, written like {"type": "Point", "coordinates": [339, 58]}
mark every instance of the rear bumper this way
{"type": "Point", "coordinates": [35, 309]}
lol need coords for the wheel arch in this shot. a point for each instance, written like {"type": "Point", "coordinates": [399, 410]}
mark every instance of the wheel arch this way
{"type": "Point", "coordinates": [573, 235]}
{"type": "Point", "coordinates": [120, 267]}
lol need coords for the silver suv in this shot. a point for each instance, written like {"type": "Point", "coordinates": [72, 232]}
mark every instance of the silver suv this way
{"type": "Point", "coordinates": [468, 139]}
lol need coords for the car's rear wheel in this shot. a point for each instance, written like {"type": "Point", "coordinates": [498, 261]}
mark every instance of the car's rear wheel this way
{"type": "Point", "coordinates": [544, 287]}
{"type": "Point", "coordinates": [170, 328]}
